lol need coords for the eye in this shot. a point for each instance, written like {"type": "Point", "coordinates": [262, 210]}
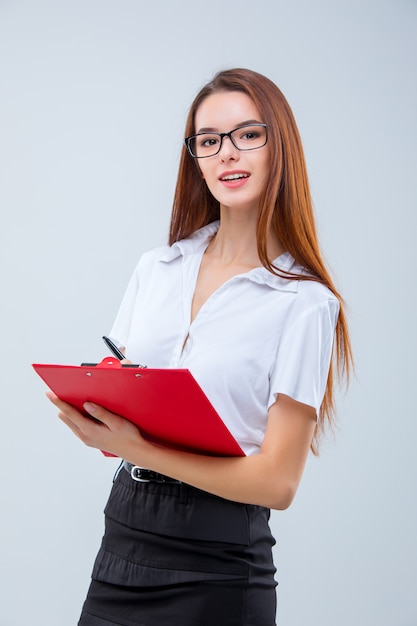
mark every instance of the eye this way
{"type": "Point", "coordinates": [208, 141]}
{"type": "Point", "coordinates": [250, 135]}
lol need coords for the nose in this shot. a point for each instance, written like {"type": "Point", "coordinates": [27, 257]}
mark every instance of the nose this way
{"type": "Point", "coordinates": [228, 150]}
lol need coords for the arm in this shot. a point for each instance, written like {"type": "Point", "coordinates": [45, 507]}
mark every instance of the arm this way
{"type": "Point", "coordinates": [269, 478]}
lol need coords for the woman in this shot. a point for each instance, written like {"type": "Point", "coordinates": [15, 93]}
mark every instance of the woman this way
{"type": "Point", "coordinates": [241, 298]}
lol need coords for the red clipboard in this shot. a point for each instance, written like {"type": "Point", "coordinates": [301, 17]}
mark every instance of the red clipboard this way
{"type": "Point", "coordinates": [168, 405]}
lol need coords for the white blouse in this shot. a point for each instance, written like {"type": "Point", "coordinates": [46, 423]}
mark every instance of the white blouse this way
{"type": "Point", "coordinates": [257, 336]}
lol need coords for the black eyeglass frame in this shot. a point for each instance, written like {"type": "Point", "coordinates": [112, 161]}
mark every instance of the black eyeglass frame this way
{"type": "Point", "coordinates": [187, 140]}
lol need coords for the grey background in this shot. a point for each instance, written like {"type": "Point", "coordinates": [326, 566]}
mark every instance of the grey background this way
{"type": "Point", "coordinates": [93, 99]}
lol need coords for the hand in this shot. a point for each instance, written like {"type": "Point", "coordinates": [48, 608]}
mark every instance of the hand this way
{"type": "Point", "coordinates": [107, 431]}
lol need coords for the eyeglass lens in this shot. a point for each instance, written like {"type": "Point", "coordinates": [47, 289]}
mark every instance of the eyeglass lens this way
{"type": "Point", "coordinates": [243, 138]}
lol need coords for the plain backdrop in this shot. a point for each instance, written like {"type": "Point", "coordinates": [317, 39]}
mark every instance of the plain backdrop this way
{"type": "Point", "coordinates": [93, 100]}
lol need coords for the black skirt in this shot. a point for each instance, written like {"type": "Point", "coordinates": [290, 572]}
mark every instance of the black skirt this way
{"type": "Point", "coordinates": [177, 556]}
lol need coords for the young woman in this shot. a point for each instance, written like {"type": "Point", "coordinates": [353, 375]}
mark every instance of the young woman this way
{"type": "Point", "coordinates": [241, 298]}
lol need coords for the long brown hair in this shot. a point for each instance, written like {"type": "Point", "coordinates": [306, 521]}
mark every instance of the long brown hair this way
{"type": "Point", "coordinates": [285, 206]}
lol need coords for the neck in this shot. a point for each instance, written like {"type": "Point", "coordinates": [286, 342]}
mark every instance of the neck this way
{"type": "Point", "coordinates": [235, 241]}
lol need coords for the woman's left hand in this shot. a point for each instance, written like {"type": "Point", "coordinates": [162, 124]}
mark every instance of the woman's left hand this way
{"type": "Point", "coordinates": [106, 431]}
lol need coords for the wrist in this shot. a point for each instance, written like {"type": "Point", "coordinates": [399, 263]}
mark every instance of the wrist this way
{"type": "Point", "coordinates": [140, 453]}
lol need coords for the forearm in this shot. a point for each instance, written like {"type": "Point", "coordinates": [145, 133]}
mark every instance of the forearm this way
{"type": "Point", "coordinates": [252, 480]}
{"type": "Point", "coordinates": [269, 478]}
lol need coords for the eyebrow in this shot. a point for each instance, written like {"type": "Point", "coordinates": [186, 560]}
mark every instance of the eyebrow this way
{"type": "Point", "coordinates": [215, 130]}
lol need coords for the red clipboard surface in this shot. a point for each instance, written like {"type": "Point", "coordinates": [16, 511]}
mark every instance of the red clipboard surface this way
{"type": "Point", "coordinates": [168, 405]}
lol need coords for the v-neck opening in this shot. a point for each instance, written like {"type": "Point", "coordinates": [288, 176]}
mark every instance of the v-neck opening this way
{"type": "Point", "coordinates": [190, 285]}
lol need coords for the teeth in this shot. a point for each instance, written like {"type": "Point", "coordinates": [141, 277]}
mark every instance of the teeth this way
{"type": "Point", "coordinates": [234, 176]}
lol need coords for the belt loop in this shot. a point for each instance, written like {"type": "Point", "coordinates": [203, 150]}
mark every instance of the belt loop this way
{"type": "Point", "coordinates": [183, 492]}
{"type": "Point", "coordinates": [118, 471]}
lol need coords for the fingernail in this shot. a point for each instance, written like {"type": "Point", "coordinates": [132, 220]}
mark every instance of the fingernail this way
{"type": "Point", "coordinates": [89, 407]}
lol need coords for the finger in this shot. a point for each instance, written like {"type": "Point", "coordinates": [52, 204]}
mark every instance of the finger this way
{"type": "Point", "coordinates": [60, 404]}
{"type": "Point", "coordinates": [69, 415]}
{"type": "Point", "coordinates": [98, 413]}
{"type": "Point", "coordinates": [71, 424]}
{"type": "Point", "coordinates": [64, 408]}
{"type": "Point", "coordinates": [102, 415]}
{"type": "Point", "coordinates": [51, 396]}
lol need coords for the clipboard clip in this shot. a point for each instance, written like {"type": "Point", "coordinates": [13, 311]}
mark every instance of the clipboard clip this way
{"type": "Point", "coordinates": [111, 362]}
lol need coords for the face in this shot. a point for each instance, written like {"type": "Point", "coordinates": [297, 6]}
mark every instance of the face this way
{"type": "Point", "coordinates": [236, 178]}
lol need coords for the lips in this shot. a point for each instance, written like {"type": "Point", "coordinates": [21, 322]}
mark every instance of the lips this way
{"type": "Point", "coordinates": [233, 176]}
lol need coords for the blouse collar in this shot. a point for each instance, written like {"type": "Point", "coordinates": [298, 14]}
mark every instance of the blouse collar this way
{"type": "Point", "coordinates": [199, 240]}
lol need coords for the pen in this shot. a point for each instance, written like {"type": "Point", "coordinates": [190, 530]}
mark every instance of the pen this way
{"type": "Point", "coordinates": [114, 348]}
{"type": "Point", "coordinates": [109, 343]}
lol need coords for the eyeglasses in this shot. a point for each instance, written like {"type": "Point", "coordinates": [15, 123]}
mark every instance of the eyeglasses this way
{"type": "Point", "coordinates": [248, 137]}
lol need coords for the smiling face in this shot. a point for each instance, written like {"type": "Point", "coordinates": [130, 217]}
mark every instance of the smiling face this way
{"type": "Point", "coordinates": [236, 178]}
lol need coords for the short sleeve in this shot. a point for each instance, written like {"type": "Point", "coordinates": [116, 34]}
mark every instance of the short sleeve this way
{"type": "Point", "coordinates": [304, 354]}
{"type": "Point", "coordinates": [120, 330]}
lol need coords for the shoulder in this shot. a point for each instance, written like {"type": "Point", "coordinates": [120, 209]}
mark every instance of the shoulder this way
{"type": "Point", "coordinates": [307, 291]}
{"type": "Point", "coordinates": [315, 305]}
{"type": "Point", "coordinates": [316, 299]}
{"type": "Point", "coordinates": [312, 292]}
{"type": "Point", "coordinates": [149, 258]}
{"type": "Point", "coordinates": [168, 253]}
{"type": "Point", "coordinates": [310, 298]}
{"type": "Point", "coordinates": [154, 254]}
